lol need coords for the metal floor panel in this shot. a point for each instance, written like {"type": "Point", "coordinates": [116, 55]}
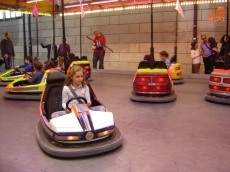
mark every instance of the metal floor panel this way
{"type": "Point", "coordinates": [187, 135]}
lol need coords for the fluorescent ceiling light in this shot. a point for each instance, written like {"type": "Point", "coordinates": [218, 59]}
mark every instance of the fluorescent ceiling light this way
{"type": "Point", "coordinates": [102, 2]}
{"type": "Point", "coordinates": [31, 1]}
{"type": "Point", "coordinates": [74, 5]}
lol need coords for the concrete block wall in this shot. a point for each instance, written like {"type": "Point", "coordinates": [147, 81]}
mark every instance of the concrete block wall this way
{"type": "Point", "coordinates": [127, 33]}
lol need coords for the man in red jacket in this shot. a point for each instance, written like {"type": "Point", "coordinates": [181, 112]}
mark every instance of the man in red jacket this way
{"type": "Point", "coordinates": [99, 51]}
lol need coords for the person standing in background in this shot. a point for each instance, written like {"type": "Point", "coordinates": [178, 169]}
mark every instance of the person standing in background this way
{"type": "Point", "coordinates": [7, 49]}
{"type": "Point", "coordinates": [61, 52]}
{"type": "Point", "coordinates": [206, 52]}
{"type": "Point", "coordinates": [99, 51]}
{"type": "Point", "coordinates": [195, 55]}
{"type": "Point", "coordinates": [52, 50]}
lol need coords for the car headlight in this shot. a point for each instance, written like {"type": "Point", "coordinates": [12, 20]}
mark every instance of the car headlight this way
{"type": "Point", "coordinates": [105, 133]}
{"type": "Point", "coordinates": [67, 138]}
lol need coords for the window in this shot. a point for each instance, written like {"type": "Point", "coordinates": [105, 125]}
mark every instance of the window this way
{"type": "Point", "coordinates": [8, 15]}
{"type": "Point", "coordinates": [1, 15]}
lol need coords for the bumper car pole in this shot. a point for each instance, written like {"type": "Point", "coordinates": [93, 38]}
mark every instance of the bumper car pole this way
{"type": "Point", "coordinates": [175, 46]}
{"type": "Point", "coordinates": [152, 48]}
{"type": "Point", "coordinates": [226, 57]}
{"type": "Point", "coordinates": [63, 33]}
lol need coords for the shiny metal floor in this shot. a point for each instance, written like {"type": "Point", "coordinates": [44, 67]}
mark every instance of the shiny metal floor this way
{"type": "Point", "coordinates": [187, 135]}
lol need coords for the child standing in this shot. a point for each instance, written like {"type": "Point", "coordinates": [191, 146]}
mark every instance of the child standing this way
{"type": "Point", "coordinates": [195, 55]}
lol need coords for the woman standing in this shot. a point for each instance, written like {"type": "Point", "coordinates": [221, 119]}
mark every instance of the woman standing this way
{"type": "Point", "coordinates": [223, 40]}
{"type": "Point", "coordinates": [195, 55]}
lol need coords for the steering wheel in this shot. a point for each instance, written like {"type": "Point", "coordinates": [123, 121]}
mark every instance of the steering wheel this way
{"type": "Point", "coordinates": [76, 98]}
{"type": "Point", "coordinates": [16, 71]}
{"type": "Point", "coordinates": [31, 75]}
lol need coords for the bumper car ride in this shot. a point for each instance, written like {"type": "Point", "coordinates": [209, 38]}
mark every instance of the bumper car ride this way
{"type": "Point", "coordinates": [10, 76]}
{"type": "Point", "coordinates": [219, 86]}
{"type": "Point", "coordinates": [80, 133]}
{"type": "Point", "coordinates": [175, 73]}
{"type": "Point", "coordinates": [86, 66]}
{"type": "Point", "coordinates": [20, 89]}
{"type": "Point", "coordinates": [152, 85]}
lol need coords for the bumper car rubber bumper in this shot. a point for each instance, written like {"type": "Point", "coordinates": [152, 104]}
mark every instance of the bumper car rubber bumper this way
{"type": "Point", "coordinates": [218, 99]}
{"type": "Point", "coordinates": [4, 83]}
{"type": "Point", "coordinates": [178, 81]}
{"type": "Point", "coordinates": [21, 96]}
{"type": "Point", "coordinates": [76, 150]}
{"type": "Point", "coordinates": [155, 99]}
{"type": "Point", "coordinates": [90, 79]}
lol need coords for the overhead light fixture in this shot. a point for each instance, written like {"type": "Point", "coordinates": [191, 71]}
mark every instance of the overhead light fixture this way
{"type": "Point", "coordinates": [32, 1]}
{"type": "Point", "coordinates": [74, 5]}
{"type": "Point", "coordinates": [102, 2]}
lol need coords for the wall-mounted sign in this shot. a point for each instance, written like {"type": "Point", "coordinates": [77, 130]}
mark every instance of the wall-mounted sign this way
{"type": "Point", "coordinates": [216, 14]}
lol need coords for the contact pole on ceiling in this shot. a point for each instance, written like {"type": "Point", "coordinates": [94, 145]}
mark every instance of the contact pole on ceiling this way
{"type": "Point", "coordinates": [13, 57]}
{"type": "Point", "coordinates": [53, 23]}
{"type": "Point", "coordinates": [152, 48]}
{"type": "Point", "coordinates": [37, 35]}
{"type": "Point", "coordinates": [63, 33]}
{"type": "Point", "coordinates": [195, 23]}
{"type": "Point", "coordinates": [80, 38]}
{"type": "Point", "coordinates": [226, 57]}
{"type": "Point", "coordinates": [24, 35]}
{"type": "Point", "coordinates": [175, 46]}
{"type": "Point", "coordinates": [30, 38]}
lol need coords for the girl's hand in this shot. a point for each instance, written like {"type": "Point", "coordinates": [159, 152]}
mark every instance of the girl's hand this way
{"type": "Point", "coordinates": [67, 111]}
{"type": "Point", "coordinates": [88, 105]}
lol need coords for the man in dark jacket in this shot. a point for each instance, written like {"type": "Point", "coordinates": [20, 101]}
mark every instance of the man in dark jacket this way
{"type": "Point", "coordinates": [61, 52]}
{"type": "Point", "coordinates": [7, 49]}
{"type": "Point", "coordinates": [52, 51]}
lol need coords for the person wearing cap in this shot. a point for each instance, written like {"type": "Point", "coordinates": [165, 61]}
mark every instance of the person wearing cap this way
{"type": "Point", "coordinates": [99, 51]}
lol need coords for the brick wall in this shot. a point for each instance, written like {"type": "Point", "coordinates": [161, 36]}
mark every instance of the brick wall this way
{"type": "Point", "coordinates": [127, 33]}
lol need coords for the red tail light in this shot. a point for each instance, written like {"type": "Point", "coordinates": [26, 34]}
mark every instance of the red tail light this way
{"type": "Point", "coordinates": [160, 80]}
{"type": "Point", "coordinates": [178, 74]}
{"type": "Point", "coordinates": [151, 88]}
{"type": "Point", "coordinates": [215, 79]}
{"type": "Point", "coordinates": [177, 68]}
{"type": "Point", "coordinates": [143, 79]}
{"type": "Point", "coordinates": [226, 80]}
{"type": "Point", "coordinates": [86, 67]}
{"type": "Point", "coordinates": [219, 88]}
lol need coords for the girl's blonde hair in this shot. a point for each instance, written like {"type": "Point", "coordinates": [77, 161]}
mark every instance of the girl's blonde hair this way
{"type": "Point", "coordinates": [72, 70]}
